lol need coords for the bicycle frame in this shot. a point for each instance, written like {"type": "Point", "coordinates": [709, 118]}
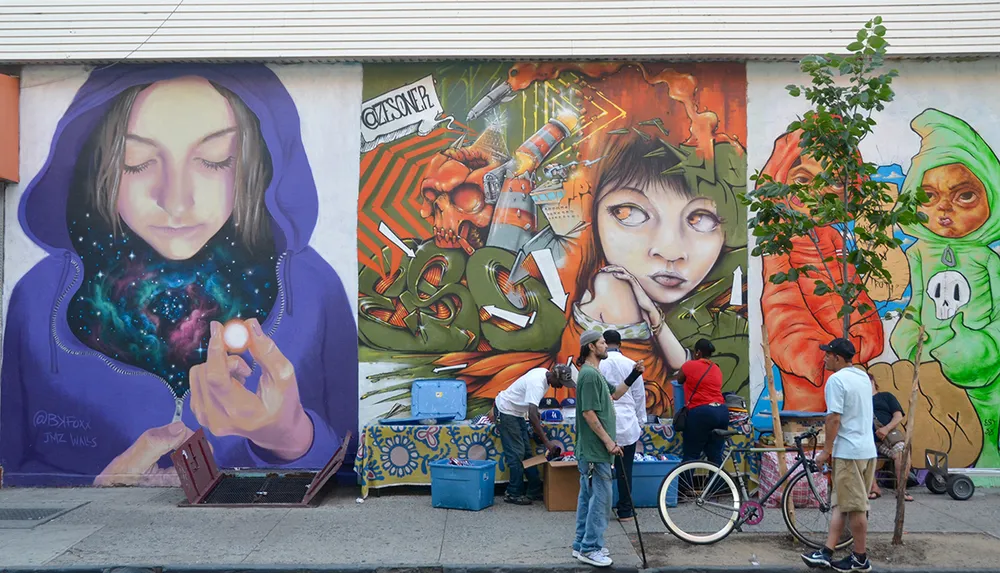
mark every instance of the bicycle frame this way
{"type": "Point", "coordinates": [738, 475]}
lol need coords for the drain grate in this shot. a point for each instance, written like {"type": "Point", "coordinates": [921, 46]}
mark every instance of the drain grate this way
{"type": "Point", "coordinates": [28, 513]}
{"type": "Point", "coordinates": [258, 490]}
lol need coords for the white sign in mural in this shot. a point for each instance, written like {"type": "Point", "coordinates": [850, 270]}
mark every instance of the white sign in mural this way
{"type": "Point", "coordinates": [413, 108]}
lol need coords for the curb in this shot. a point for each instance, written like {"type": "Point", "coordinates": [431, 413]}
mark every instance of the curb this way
{"type": "Point", "coordinates": [559, 568]}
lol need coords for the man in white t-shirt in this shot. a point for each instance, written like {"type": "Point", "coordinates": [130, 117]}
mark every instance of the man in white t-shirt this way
{"type": "Point", "coordinates": [516, 407]}
{"type": "Point", "coordinates": [850, 445]}
{"type": "Point", "coordinates": [630, 414]}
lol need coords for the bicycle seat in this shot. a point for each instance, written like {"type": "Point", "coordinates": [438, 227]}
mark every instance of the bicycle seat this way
{"type": "Point", "coordinates": [724, 433]}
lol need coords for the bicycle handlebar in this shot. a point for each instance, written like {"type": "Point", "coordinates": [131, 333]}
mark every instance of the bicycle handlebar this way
{"type": "Point", "coordinates": [811, 434]}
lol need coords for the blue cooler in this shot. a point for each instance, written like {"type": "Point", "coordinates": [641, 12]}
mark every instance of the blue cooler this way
{"type": "Point", "coordinates": [434, 402]}
{"type": "Point", "coordinates": [463, 487]}
{"type": "Point", "coordinates": [646, 480]}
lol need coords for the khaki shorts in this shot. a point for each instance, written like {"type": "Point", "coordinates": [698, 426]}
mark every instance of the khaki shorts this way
{"type": "Point", "coordinates": [852, 480]}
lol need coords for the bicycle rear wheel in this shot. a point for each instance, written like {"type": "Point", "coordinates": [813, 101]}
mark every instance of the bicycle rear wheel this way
{"type": "Point", "coordinates": [811, 523]}
{"type": "Point", "coordinates": [707, 506]}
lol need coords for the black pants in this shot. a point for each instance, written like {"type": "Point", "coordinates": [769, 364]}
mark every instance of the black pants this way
{"type": "Point", "coordinates": [698, 436]}
{"type": "Point", "coordinates": [623, 472]}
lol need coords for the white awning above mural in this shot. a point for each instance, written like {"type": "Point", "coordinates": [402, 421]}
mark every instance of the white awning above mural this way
{"type": "Point", "coordinates": [112, 30]}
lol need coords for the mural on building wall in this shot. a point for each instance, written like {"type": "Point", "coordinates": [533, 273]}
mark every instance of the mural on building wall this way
{"type": "Point", "coordinates": [178, 290]}
{"type": "Point", "coordinates": [506, 208]}
{"type": "Point", "coordinates": [947, 273]}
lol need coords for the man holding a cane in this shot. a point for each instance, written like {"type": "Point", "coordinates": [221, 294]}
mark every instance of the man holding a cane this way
{"type": "Point", "coordinates": [595, 451]}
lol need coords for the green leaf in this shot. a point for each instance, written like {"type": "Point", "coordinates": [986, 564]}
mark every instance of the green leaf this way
{"type": "Point", "coordinates": [862, 34]}
{"type": "Point", "coordinates": [880, 31]}
{"type": "Point", "coordinates": [855, 47]}
{"type": "Point", "coordinates": [877, 20]}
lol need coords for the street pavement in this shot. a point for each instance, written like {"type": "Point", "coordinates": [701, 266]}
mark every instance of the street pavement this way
{"type": "Point", "coordinates": [145, 527]}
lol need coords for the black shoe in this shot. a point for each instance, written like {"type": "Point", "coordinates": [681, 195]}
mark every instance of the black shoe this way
{"type": "Point", "coordinates": [818, 558]}
{"type": "Point", "coordinates": [518, 500]}
{"type": "Point", "coordinates": [536, 497]}
{"type": "Point", "coordinates": [852, 563]}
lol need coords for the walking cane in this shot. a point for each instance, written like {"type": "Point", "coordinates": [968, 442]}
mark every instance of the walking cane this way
{"type": "Point", "coordinates": [635, 512]}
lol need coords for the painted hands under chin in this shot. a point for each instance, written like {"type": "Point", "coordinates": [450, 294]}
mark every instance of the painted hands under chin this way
{"type": "Point", "coordinates": [272, 417]}
{"type": "Point", "coordinates": [650, 310]}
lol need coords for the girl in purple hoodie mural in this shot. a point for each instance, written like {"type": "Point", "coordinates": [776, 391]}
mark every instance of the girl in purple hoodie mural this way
{"type": "Point", "coordinates": [176, 205]}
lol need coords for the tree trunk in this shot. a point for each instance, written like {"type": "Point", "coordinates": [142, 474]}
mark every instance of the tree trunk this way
{"type": "Point", "coordinates": [845, 277]}
{"type": "Point", "coordinates": [779, 438]}
{"type": "Point", "coordinates": [903, 472]}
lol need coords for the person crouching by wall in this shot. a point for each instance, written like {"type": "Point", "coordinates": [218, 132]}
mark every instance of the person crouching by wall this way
{"type": "Point", "coordinates": [595, 451]}
{"type": "Point", "coordinates": [516, 408]}
{"type": "Point", "coordinates": [707, 411]}
{"type": "Point", "coordinates": [629, 395]}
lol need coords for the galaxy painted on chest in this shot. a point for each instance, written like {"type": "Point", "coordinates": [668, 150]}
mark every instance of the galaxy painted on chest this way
{"type": "Point", "coordinates": [153, 313]}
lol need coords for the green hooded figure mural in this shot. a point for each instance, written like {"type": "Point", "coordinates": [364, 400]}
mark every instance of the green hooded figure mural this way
{"type": "Point", "coordinates": [954, 273]}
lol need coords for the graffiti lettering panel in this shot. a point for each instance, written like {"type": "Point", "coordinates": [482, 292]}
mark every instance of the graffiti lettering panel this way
{"type": "Point", "coordinates": [540, 200]}
{"type": "Point", "coordinates": [176, 289]}
{"type": "Point", "coordinates": [942, 141]}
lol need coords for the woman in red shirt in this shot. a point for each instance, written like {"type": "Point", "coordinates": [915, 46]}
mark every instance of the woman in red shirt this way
{"type": "Point", "coordinates": [707, 411]}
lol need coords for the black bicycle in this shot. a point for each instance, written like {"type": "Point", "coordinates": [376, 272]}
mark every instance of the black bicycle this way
{"type": "Point", "coordinates": [705, 492]}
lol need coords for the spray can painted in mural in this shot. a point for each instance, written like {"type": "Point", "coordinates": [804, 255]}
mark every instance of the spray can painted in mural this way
{"type": "Point", "coordinates": [514, 221]}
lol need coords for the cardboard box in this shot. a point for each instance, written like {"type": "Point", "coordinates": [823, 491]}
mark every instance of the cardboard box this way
{"type": "Point", "coordinates": [561, 487]}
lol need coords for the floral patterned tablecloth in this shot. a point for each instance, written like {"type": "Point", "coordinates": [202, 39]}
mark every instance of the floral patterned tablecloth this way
{"type": "Point", "coordinates": [400, 455]}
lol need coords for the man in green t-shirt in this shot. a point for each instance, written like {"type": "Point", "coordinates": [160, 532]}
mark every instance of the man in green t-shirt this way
{"type": "Point", "coordinates": [595, 451]}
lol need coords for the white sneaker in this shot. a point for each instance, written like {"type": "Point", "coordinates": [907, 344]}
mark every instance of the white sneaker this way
{"type": "Point", "coordinates": [595, 558]}
{"type": "Point", "coordinates": [604, 551]}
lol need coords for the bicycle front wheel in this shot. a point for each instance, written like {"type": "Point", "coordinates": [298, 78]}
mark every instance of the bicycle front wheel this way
{"type": "Point", "coordinates": [699, 503]}
{"type": "Point", "coordinates": [805, 515]}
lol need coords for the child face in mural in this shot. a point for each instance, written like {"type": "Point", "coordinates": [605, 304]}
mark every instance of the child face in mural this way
{"type": "Point", "coordinates": [804, 172]}
{"type": "Point", "coordinates": [659, 241]}
{"type": "Point", "coordinates": [956, 201]}
{"type": "Point", "coordinates": [660, 235]}
{"type": "Point", "coordinates": [177, 181]}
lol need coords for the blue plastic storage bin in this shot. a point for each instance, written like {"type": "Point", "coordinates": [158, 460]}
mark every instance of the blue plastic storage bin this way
{"type": "Point", "coordinates": [463, 487]}
{"type": "Point", "coordinates": [646, 480]}
{"type": "Point", "coordinates": [678, 395]}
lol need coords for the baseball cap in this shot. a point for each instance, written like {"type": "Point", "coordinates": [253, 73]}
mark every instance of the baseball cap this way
{"type": "Point", "coordinates": [564, 374]}
{"type": "Point", "coordinates": [552, 416]}
{"type": "Point", "coordinates": [589, 337]}
{"type": "Point", "coordinates": [549, 403]}
{"type": "Point", "coordinates": [841, 347]}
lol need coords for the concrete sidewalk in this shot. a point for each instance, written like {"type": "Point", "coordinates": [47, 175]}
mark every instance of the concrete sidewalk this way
{"type": "Point", "coordinates": [144, 527]}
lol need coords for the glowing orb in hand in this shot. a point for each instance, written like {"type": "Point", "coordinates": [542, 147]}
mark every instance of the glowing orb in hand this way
{"type": "Point", "coordinates": [236, 336]}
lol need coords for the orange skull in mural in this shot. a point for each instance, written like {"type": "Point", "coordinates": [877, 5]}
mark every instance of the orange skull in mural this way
{"type": "Point", "coordinates": [454, 199]}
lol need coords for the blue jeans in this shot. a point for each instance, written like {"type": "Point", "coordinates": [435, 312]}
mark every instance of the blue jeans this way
{"type": "Point", "coordinates": [593, 508]}
{"type": "Point", "coordinates": [698, 436]}
{"type": "Point", "coordinates": [516, 444]}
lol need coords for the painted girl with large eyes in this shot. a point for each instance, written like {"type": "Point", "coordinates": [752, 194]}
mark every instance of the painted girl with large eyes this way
{"type": "Point", "coordinates": [658, 239]}
{"type": "Point", "coordinates": [175, 200]}
{"type": "Point", "coordinates": [653, 266]}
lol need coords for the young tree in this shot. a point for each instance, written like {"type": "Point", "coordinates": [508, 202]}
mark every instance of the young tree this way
{"type": "Point", "coordinates": [845, 92]}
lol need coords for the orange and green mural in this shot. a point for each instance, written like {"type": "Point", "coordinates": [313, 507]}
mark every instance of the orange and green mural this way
{"type": "Point", "coordinates": [505, 208]}
{"type": "Point", "coordinates": [944, 275]}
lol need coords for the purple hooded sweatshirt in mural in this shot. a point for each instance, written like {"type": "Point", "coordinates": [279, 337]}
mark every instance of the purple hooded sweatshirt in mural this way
{"type": "Point", "coordinates": [68, 410]}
